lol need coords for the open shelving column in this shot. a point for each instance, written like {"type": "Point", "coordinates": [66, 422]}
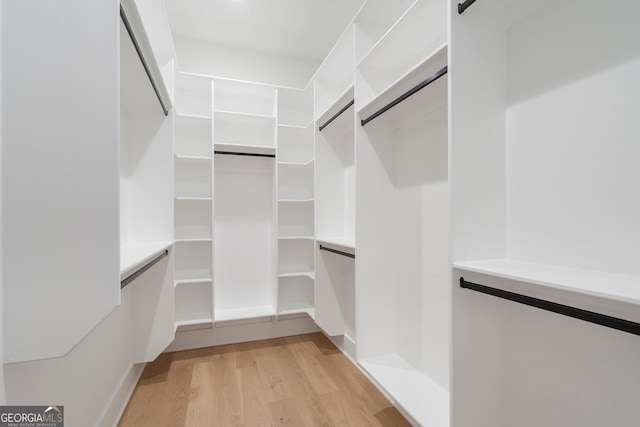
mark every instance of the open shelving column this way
{"type": "Point", "coordinates": [403, 267]}
{"type": "Point", "coordinates": [245, 244]}
{"type": "Point", "coordinates": [335, 194]}
{"type": "Point", "coordinates": [193, 203]}
{"type": "Point", "coordinates": [296, 270]}
{"type": "Point", "coordinates": [544, 204]}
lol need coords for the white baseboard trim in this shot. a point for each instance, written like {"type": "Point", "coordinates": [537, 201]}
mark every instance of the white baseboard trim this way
{"type": "Point", "coordinates": [241, 331]}
{"type": "Point", "coordinates": [117, 403]}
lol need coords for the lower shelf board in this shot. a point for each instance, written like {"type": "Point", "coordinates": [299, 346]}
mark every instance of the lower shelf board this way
{"type": "Point", "coordinates": [417, 394]}
{"type": "Point", "coordinates": [310, 311]}
{"type": "Point", "coordinates": [203, 322]}
{"type": "Point", "coordinates": [244, 313]}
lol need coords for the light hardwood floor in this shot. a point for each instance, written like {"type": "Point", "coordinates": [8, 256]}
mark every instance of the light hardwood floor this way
{"type": "Point", "coordinates": [299, 381]}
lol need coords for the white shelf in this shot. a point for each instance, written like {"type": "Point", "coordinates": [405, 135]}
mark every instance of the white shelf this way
{"type": "Point", "coordinates": [244, 313]}
{"type": "Point", "coordinates": [194, 240]}
{"type": "Point", "coordinates": [296, 238]}
{"type": "Point", "coordinates": [197, 319]}
{"type": "Point", "coordinates": [605, 288]}
{"type": "Point", "coordinates": [196, 158]}
{"type": "Point", "coordinates": [423, 70]}
{"type": "Point", "coordinates": [309, 274]}
{"type": "Point", "coordinates": [243, 148]}
{"type": "Point", "coordinates": [244, 98]}
{"type": "Point", "coordinates": [240, 113]}
{"type": "Point", "coordinates": [417, 394]}
{"type": "Point", "coordinates": [295, 200]}
{"type": "Point", "coordinates": [343, 244]}
{"type": "Point", "coordinates": [194, 117]}
{"type": "Point", "coordinates": [135, 255]}
{"type": "Point", "coordinates": [192, 281]}
{"type": "Point", "coordinates": [296, 164]}
{"type": "Point", "coordinates": [338, 104]}
{"type": "Point", "coordinates": [304, 126]}
{"type": "Point", "coordinates": [234, 128]}
{"type": "Point", "coordinates": [192, 199]}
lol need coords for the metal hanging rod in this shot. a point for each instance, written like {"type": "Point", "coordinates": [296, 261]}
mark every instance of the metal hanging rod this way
{"type": "Point", "coordinates": [142, 269]}
{"type": "Point", "coordinates": [132, 36]}
{"type": "Point", "coordinates": [406, 95]}
{"type": "Point", "coordinates": [576, 313]}
{"type": "Point", "coordinates": [234, 153]}
{"type": "Point", "coordinates": [345, 108]}
{"type": "Point", "coordinates": [464, 5]}
{"type": "Point", "coordinates": [335, 251]}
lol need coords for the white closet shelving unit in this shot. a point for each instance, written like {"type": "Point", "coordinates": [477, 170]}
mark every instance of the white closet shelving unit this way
{"type": "Point", "coordinates": [544, 150]}
{"type": "Point", "coordinates": [146, 186]}
{"type": "Point", "coordinates": [335, 192]}
{"type": "Point", "coordinates": [403, 265]}
{"type": "Point", "coordinates": [296, 286]}
{"type": "Point", "coordinates": [193, 202]}
{"type": "Point", "coordinates": [245, 224]}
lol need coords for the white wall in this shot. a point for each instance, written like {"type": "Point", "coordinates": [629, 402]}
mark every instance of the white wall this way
{"type": "Point", "coordinates": [195, 56]}
{"type": "Point", "coordinates": [2, 392]}
{"type": "Point", "coordinates": [92, 382]}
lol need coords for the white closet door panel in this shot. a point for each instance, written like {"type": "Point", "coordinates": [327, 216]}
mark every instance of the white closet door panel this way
{"type": "Point", "coordinates": [60, 166]}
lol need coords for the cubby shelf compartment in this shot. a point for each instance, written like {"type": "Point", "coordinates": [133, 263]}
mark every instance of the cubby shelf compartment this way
{"type": "Point", "coordinates": [417, 394]}
{"type": "Point", "coordinates": [192, 136]}
{"type": "Point", "coordinates": [193, 95]}
{"type": "Point", "coordinates": [295, 255]}
{"type": "Point", "coordinates": [295, 107]}
{"type": "Point", "coordinates": [295, 182]}
{"type": "Point", "coordinates": [244, 98]}
{"type": "Point", "coordinates": [193, 178]}
{"type": "Point", "coordinates": [295, 295]}
{"type": "Point", "coordinates": [296, 144]}
{"type": "Point", "coordinates": [242, 129]}
{"type": "Point", "coordinates": [602, 291]}
{"type": "Point", "coordinates": [193, 303]}
{"type": "Point", "coordinates": [420, 31]}
{"type": "Point", "coordinates": [193, 260]}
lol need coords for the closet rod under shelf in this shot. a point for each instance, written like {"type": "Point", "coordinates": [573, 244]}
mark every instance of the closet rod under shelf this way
{"type": "Point", "coordinates": [345, 108]}
{"type": "Point", "coordinates": [464, 5]}
{"type": "Point", "coordinates": [406, 95]}
{"type": "Point", "coordinates": [234, 153]}
{"type": "Point", "coordinates": [335, 251]}
{"type": "Point", "coordinates": [136, 45]}
{"type": "Point", "coordinates": [565, 310]}
{"type": "Point", "coordinates": [133, 276]}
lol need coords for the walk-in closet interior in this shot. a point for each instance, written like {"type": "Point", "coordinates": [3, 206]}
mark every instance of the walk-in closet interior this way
{"type": "Point", "coordinates": [448, 190]}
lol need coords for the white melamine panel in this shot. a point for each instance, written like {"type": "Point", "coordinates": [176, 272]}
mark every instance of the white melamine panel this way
{"type": "Point", "coordinates": [295, 145]}
{"type": "Point", "coordinates": [193, 177]}
{"type": "Point", "coordinates": [295, 107]}
{"type": "Point", "coordinates": [419, 33]}
{"type": "Point", "coordinates": [244, 129]}
{"type": "Point", "coordinates": [335, 76]}
{"type": "Point", "coordinates": [295, 218]}
{"type": "Point", "coordinates": [193, 260]}
{"type": "Point", "coordinates": [245, 233]}
{"type": "Point", "coordinates": [193, 95]}
{"type": "Point", "coordinates": [193, 219]}
{"type": "Point", "coordinates": [60, 174]}
{"type": "Point", "coordinates": [295, 182]}
{"type": "Point", "coordinates": [194, 303]}
{"type": "Point", "coordinates": [295, 255]}
{"type": "Point", "coordinates": [193, 136]}
{"type": "Point", "coordinates": [245, 98]}
{"type": "Point", "coordinates": [374, 20]}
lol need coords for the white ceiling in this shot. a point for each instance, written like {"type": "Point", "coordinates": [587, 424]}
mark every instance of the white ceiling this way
{"type": "Point", "coordinates": [304, 29]}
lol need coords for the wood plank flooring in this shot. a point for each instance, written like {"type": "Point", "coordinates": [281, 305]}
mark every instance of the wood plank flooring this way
{"type": "Point", "coordinates": [299, 381]}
